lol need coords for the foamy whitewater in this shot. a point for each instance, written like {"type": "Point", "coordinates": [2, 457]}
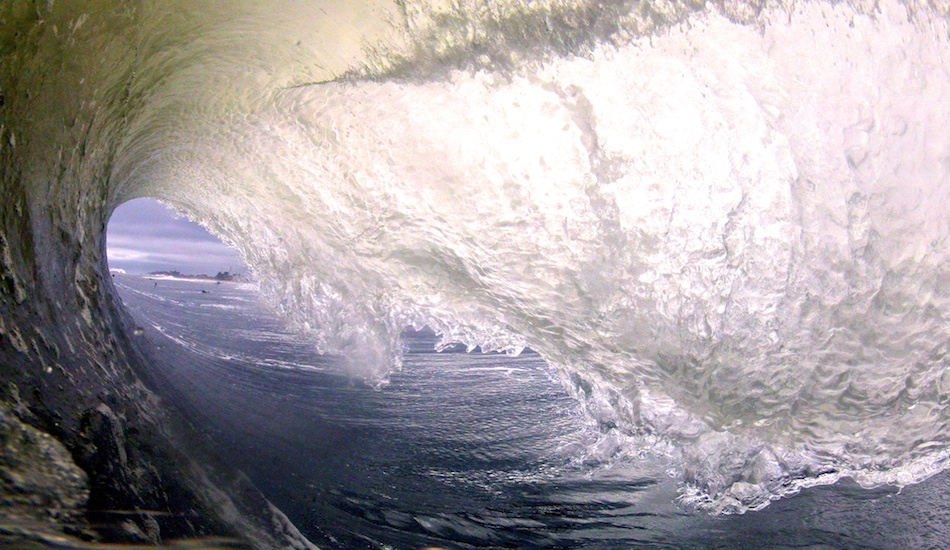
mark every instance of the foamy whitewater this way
{"type": "Point", "coordinates": [733, 241]}
{"type": "Point", "coordinates": [730, 234]}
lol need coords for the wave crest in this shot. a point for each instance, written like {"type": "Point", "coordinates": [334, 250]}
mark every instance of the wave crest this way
{"type": "Point", "coordinates": [732, 240]}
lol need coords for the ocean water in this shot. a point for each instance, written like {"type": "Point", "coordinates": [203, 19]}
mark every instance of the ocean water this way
{"type": "Point", "coordinates": [459, 450]}
{"type": "Point", "coordinates": [723, 226]}
{"type": "Point", "coordinates": [730, 240]}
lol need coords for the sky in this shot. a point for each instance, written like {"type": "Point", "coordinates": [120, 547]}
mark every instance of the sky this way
{"type": "Point", "coordinates": [145, 236]}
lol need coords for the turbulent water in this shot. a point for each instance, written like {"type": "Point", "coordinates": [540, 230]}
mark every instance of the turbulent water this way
{"type": "Point", "coordinates": [458, 450]}
{"type": "Point", "coordinates": [725, 227]}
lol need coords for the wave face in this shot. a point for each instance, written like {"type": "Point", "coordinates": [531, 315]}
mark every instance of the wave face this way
{"type": "Point", "coordinates": [729, 235]}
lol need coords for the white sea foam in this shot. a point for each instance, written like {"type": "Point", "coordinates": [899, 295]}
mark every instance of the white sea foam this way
{"type": "Point", "coordinates": [732, 240]}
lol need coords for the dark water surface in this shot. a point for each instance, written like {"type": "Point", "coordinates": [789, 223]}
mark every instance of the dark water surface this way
{"type": "Point", "coordinates": [459, 450]}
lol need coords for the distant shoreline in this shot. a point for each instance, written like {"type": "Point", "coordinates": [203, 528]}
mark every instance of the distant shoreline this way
{"type": "Point", "coordinates": [151, 277]}
{"type": "Point", "coordinates": [221, 277]}
{"type": "Point", "coordinates": [158, 276]}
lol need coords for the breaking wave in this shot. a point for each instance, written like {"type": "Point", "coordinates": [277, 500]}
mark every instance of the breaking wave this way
{"type": "Point", "coordinates": [728, 234]}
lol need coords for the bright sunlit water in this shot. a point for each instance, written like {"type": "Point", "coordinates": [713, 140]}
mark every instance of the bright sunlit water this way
{"type": "Point", "coordinates": [730, 240]}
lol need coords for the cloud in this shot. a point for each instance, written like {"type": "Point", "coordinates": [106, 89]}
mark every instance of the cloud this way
{"type": "Point", "coordinates": [144, 236]}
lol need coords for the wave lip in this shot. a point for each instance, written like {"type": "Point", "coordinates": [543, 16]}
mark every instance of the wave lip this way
{"type": "Point", "coordinates": [732, 239]}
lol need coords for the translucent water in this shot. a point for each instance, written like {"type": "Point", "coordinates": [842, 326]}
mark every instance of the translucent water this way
{"type": "Point", "coordinates": [731, 240]}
